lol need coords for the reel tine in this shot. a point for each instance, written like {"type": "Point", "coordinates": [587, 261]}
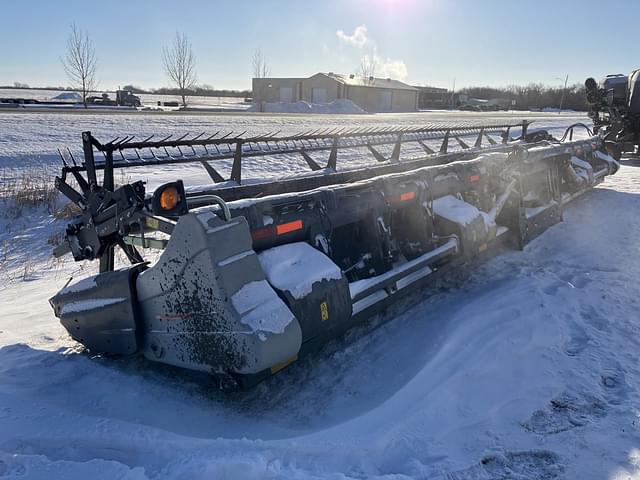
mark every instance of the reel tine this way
{"type": "Point", "coordinates": [72, 157]}
{"type": "Point", "coordinates": [64, 163]}
{"type": "Point", "coordinates": [128, 140]}
{"type": "Point", "coordinates": [239, 135]}
{"type": "Point", "coordinates": [124, 140]}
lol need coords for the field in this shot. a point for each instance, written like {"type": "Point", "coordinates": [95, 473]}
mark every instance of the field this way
{"type": "Point", "coordinates": [146, 98]}
{"type": "Point", "coordinates": [522, 367]}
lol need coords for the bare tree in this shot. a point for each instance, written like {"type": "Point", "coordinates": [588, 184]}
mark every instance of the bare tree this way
{"type": "Point", "coordinates": [80, 62]}
{"type": "Point", "coordinates": [261, 68]}
{"type": "Point", "coordinates": [368, 68]}
{"type": "Point", "coordinates": [179, 63]}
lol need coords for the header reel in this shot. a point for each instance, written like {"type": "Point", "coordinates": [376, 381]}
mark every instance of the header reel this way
{"type": "Point", "coordinates": [120, 215]}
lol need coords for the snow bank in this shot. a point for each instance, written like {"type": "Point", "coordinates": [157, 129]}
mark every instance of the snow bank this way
{"type": "Point", "coordinates": [340, 106]}
{"type": "Point", "coordinates": [68, 96]}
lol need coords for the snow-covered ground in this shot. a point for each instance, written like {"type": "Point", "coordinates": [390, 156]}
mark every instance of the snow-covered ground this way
{"type": "Point", "coordinates": [146, 98]}
{"type": "Point", "coordinates": [27, 140]}
{"type": "Point", "coordinates": [342, 105]}
{"type": "Point", "coordinates": [523, 367]}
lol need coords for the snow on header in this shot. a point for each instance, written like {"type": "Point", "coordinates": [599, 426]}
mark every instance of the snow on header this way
{"type": "Point", "coordinates": [90, 304]}
{"type": "Point", "coordinates": [80, 286]}
{"type": "Point", "coordinates": [295, 267]}
{"type": "Point", "coordinates": [260, 308]}
{"type": "Point", "coordinates": [455, 210]}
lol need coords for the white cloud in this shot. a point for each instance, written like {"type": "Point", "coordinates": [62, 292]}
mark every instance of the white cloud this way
{"type": "Point", "coordinates": [395, 69]}
{"type": "Point", "coordinates": [389, 68]}
{"type": "Point", "coordinates": [357, 39]}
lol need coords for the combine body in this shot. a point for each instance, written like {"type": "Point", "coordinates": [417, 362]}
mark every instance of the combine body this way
{"type": "Point", "coordinates": [615, 111]}
{"type": "Point", "coordinates": [254, 275]}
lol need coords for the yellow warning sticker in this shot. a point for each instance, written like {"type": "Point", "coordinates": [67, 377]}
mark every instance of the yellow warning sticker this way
{"type": "Point", "coordinates": [152, 222]}
{"type": "Point", "coordinates": [324, 311]}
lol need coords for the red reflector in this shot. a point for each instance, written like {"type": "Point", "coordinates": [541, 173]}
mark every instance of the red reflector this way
{"type": "Point", "coordinates": [262, 233]}
{"type": "Point", "coordinates": [407, 196]}
{"type": "Point", "coordinates": [289, 227]}
{"type": "Point", "coordinates": [474, 178]}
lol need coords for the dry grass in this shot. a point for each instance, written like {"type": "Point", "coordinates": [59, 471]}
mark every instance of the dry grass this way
{"type": "Point", "coordinates": [56, 239]}
{"type": "Point", "coordinates": [67, 211]}
{"type": "Point", "coordinates": [20, 190]}
{"type": "Point", "coordinates": [5, 248]}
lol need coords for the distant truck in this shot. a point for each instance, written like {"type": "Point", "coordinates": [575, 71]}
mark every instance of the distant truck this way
{"type": "Point", "coordinates": [123, 98]}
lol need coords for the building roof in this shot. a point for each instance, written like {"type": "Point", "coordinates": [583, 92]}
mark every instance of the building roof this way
{"type": "Point", "coordinates": [426, 89]}
{"type": "Point", "coordinates": [359, 81]}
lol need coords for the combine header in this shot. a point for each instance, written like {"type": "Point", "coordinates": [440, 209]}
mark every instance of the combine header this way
{"type": "Point", "coordinates": [254, 274]}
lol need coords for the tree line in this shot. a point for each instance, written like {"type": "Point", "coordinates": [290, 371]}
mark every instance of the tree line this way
{"type": "Point", "coordinates": [534, 95]}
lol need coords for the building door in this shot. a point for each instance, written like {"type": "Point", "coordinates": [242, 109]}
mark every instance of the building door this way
{"type": "Point", "coordinates": [286, 94]}
{"type": "Point", "coordinates": [385, 100]}
{"type": "Point", "coordinates": [318, 95]}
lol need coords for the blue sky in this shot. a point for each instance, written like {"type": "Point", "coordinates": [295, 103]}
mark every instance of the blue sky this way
{"type": "Point", "coordinates": [428, 42]}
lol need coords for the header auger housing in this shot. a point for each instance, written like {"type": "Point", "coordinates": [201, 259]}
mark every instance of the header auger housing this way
{"type": "Point", "coordinates": [255, 274]}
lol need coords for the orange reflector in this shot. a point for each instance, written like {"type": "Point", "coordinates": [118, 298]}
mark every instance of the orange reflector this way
{"type": "Point", "coordinates": [169, 198]}
{"type": "Point", "coordinates": [407, 196]}
{"type": "Point", "coordinates": [474, 178]}
{"type": "Point", "coordinates": [289, 227]}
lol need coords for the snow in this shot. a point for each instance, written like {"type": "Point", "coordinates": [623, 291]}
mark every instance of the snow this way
{"type": "Point", "coordinates": [80, 286]}
{"type": "Point", "coordinates": [68, 96]}
{"type": "Point", "coordinates": [149, 100]}
{"type": "Point", "coordinates": [89, 304]}
{"type": "Point", "coordinates": [296, 267]}
{"type": "Point", "coordinates": [340, 106]}
{"type": "Point", "coordinates": [523, 367]}
{"type": "Point", "coordinates": [235, 258]}
{"type": "Point", "coordinates": [578, 162]}
{"type": "Point", "coordinates": [260, 308]}
{"type": "Point", "coordinates": [455, 210]}
{"type": "Point", "coordinates": [28, 141]}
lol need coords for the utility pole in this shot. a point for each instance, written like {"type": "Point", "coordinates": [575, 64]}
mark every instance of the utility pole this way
{"type": "Point", "coordinates": [566, 79]}
{"type": "Point", "coordinates": [453, 93]}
